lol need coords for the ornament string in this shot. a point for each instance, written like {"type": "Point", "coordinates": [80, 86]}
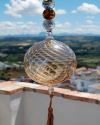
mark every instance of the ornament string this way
{"type": "Point", "coordinates": [50, 119]}
{"type": "Point", "coordinates": [49, 24]}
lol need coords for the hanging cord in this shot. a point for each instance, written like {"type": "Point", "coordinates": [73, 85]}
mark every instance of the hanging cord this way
{"type": "Point", "coordinates": [50, 111]}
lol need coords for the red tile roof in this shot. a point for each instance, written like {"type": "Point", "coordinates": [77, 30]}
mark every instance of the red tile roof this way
{"type": "Point", "coordinates": [88, 72]}
{"type": "Point", "coordinates": [80, 69]}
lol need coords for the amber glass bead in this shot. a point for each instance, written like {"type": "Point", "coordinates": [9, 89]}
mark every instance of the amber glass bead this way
{"type": "Point", "coordinates": [49, 14]}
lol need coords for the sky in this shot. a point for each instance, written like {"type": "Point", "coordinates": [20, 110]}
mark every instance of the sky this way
{"type": "Point", "coordinates": [72, 16]}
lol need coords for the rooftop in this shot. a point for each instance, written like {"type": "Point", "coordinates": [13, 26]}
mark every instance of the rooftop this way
{"type": "Point", "coordinates": [80, 69]}
{"type": "Point", "coordinates": [88, 72]}
{"type": "Point", "coordinates": [92, 79]}
{"type": "Point", "coordinates": [1, 63]}
{"type": "Point", "coordinates": [97, 86]}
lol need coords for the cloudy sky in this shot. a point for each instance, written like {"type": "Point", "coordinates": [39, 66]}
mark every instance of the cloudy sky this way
{"type": "Point", "coordinates": [73, 16]}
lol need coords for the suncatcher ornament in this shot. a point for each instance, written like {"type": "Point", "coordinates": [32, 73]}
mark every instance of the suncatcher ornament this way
{"type": "Point", "coordinates": [50, 62]}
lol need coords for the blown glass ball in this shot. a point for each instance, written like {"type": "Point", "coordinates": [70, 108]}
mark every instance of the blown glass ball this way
{"type": "Point", "coordinates": [49, 25]}
{"type": "Point", "coordinates": [49, 14]}
{"type": "Point", "coordinates": [48, 4]}
{"type": "Point", "coordinates": [50, 62]}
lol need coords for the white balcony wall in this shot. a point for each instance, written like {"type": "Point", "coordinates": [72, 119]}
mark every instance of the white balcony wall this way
{"type": "Point", "coordinates": [29, 108]}
{"type": "Point", "coordinates": [5, 114]}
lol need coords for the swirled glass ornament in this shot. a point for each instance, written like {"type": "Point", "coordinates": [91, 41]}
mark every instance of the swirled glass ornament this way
{"type": "Point", "coordinates": [48, 4]}
{"type": "Point", "coordinates": [50, 62]}
{"type": "Point", "coordinates": [49, 25]}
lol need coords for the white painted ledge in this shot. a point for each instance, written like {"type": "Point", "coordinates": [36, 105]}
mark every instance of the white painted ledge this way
{"type": "Point", "coordinates": [30, 107]}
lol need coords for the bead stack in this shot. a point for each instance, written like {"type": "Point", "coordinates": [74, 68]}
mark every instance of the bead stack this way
{"type": "Point", "coordinates": [48, 14]}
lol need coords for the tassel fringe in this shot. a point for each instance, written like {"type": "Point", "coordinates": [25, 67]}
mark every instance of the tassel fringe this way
{"type": "Point", "coordinates": [50, 111]}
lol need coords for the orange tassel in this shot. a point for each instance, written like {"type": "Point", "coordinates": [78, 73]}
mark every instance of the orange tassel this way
{"type": "Point", "coordinates": [50, 111]}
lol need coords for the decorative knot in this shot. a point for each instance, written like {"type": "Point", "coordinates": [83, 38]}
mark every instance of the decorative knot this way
{"type": "Point", "coordinates": [51, 95]}
{"type": "Point", "coordinates": [50, 109]}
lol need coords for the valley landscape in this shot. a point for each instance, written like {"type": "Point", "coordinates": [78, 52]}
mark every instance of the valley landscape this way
{"type": "Point", "coordinates": [86, 48]}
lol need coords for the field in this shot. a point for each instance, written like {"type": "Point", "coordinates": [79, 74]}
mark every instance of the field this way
{"type": "Point", "coordinates": [17, 73]}
{"type": "Point", "coordinates": [12, 73]}
{"type": "Point", "coordinates": [89, 60]}
{"type": "Point", "coordinates": [86, 48]}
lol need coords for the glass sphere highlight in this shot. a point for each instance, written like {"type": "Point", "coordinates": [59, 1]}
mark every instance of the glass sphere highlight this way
{"type": "Point", "coordinates": [49, 25]}
{"type": "Point", "coordinates": [49, 14]}
{"type": "Point", "coordinates": [48, 4]}
{"type": "Point", "coordinates": [50, 62]}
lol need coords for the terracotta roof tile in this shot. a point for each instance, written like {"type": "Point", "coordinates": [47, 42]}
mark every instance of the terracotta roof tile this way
{"type": "Point", "coordinates": [80, 69]}
{"type": "Point", "coordinates": [88, 72]}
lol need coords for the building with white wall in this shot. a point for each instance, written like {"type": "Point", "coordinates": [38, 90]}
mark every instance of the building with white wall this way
{"type": "Point", "coordinates": [83, 84]}
{"type": "Point", "coordinates": [73, 80]}
{"type": "Point", "coordinates": [2, 65]}
{"type": "Point", "coordinates": [98, 67]}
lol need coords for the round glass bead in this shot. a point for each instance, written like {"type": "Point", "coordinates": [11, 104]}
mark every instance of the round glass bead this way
{"type": "Point", "coordinates": [48, 4]}
{"type": "Point", "coordinates": [51, 89]}
{"type": "Point", "coordinates": [50, 62]}
{"type": "Point", "coordinates": [49, 35]}
{"type": "Point", "coordinates": [49, 14]}
{"type": "Point", "coordinates": [49, 25]}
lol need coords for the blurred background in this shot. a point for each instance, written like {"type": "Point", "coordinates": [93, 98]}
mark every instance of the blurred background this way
{"type": "Point", "coordinates": [77, 25]}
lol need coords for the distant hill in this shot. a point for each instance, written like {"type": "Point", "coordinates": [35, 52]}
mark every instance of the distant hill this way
{"type": "Point", "coordinates": [44, 34]}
